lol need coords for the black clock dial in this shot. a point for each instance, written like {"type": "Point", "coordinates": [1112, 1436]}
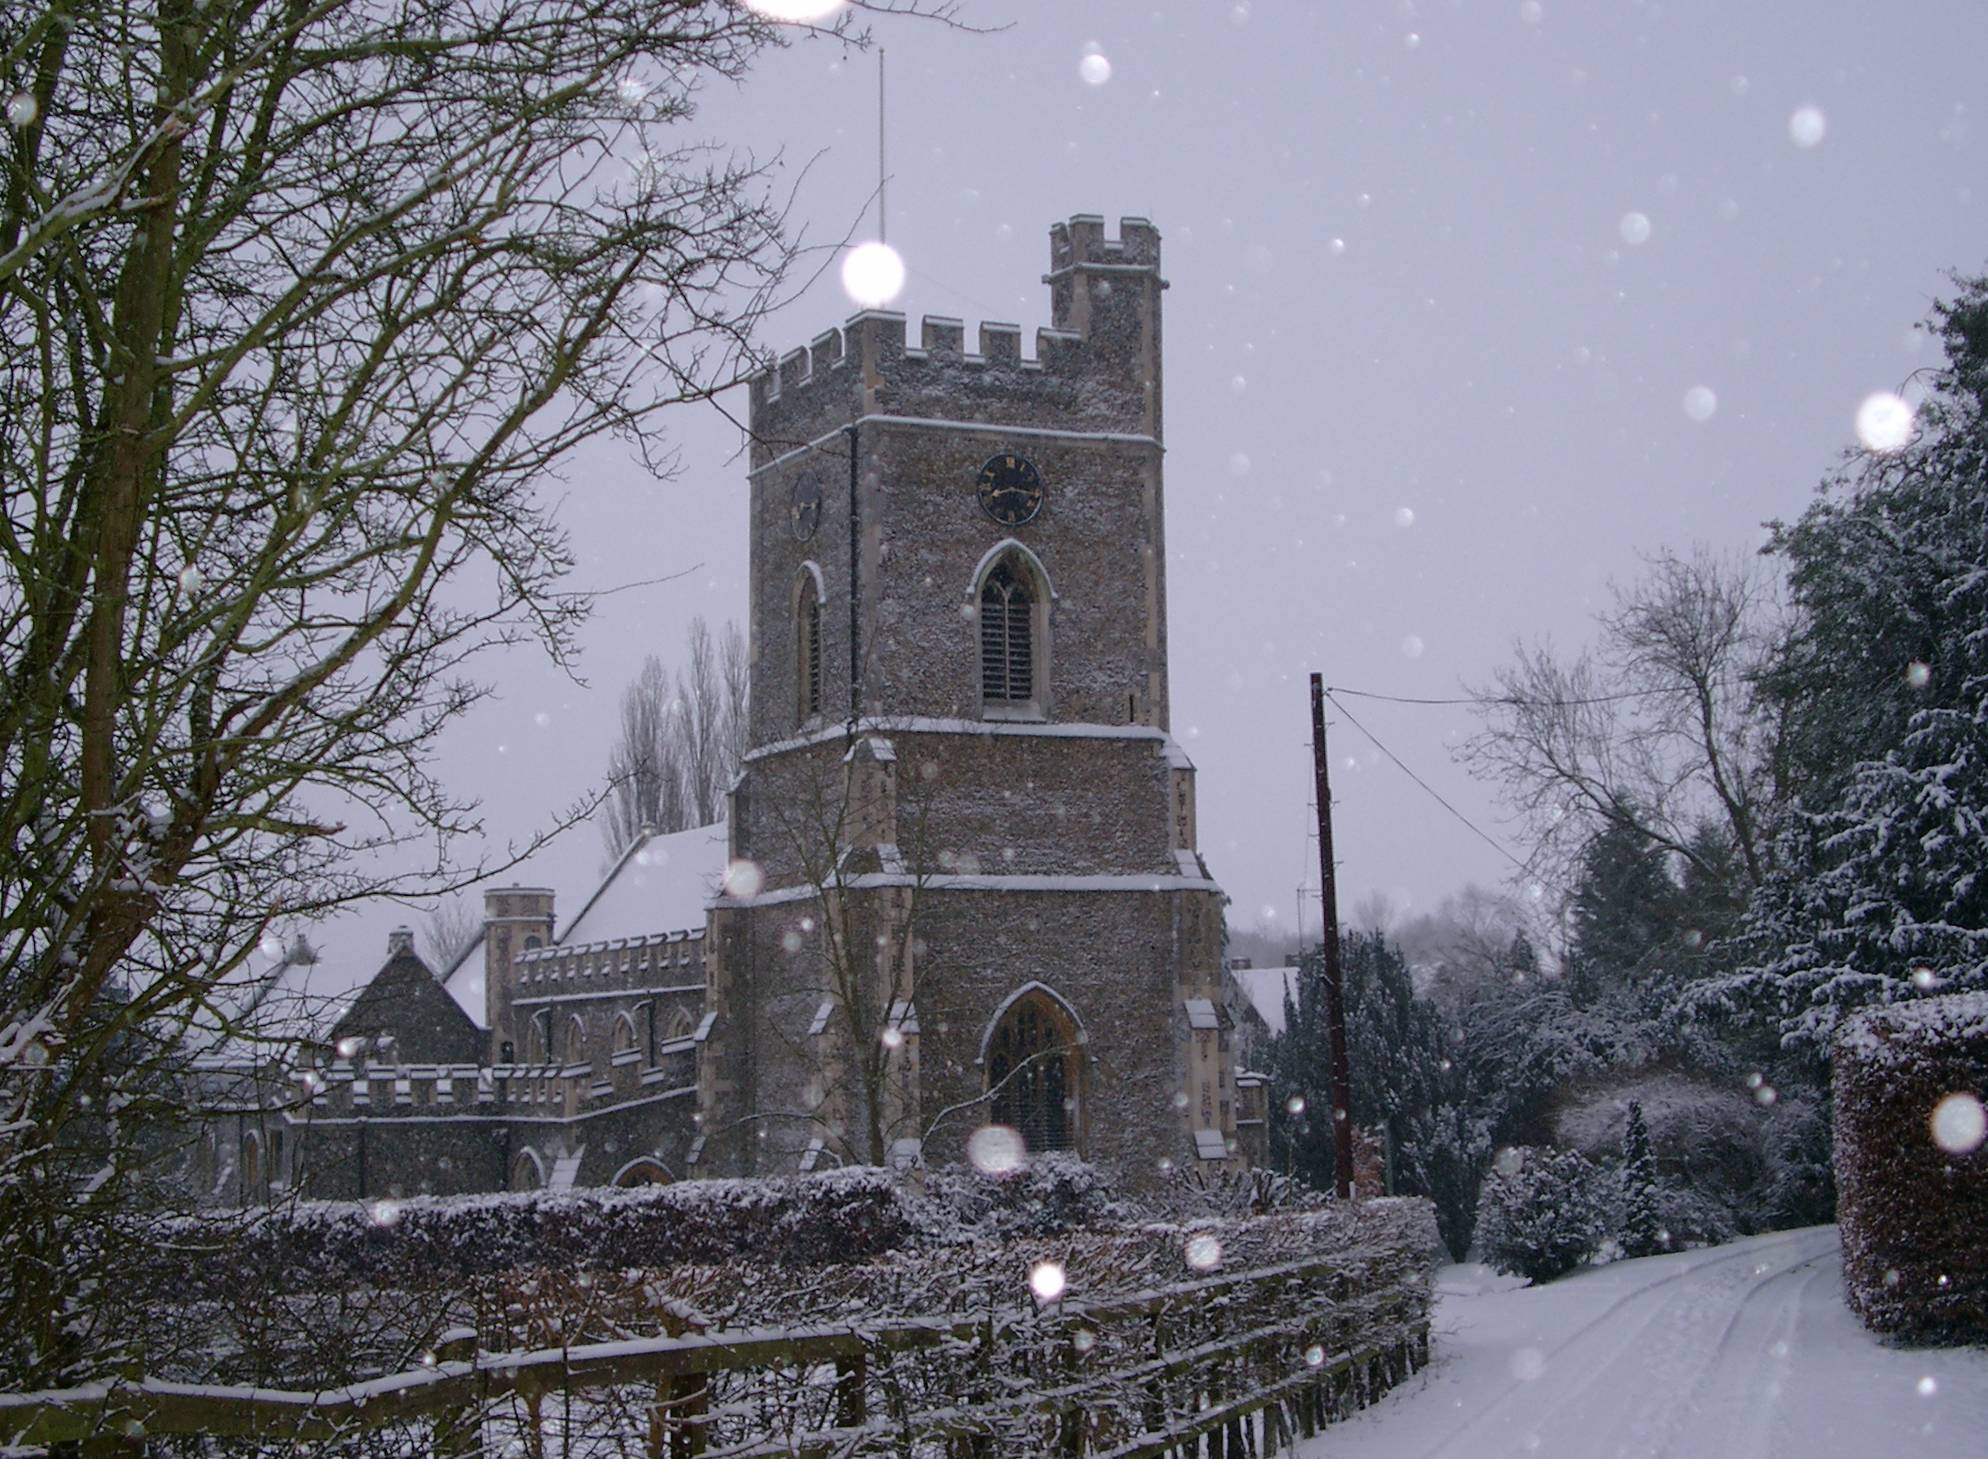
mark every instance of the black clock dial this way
{"type": "Point", "coordinates": [804, 508]}
{"type": "Point", "coordinates": [1010, 489]}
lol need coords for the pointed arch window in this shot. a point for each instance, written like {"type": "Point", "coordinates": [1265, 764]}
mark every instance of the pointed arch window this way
{"type": "Point", "coordinates": [810, 657]}
{"type": "Point", "coordinates": [1007, 637]}
{"type": "Point", "coordinates": [1033, 1073]}
{"type": "Point", "coordinates": [807, 642]}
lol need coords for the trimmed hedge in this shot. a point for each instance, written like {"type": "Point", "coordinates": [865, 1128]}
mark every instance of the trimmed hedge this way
{"type": "Point", "coordinates": [837, 1216]}
{"type": "Point", "coordinates": [1914, 1211]}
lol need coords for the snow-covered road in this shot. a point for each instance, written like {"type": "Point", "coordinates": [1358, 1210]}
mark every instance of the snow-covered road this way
{"type": "Point", "coordinates": [1737, 1352]}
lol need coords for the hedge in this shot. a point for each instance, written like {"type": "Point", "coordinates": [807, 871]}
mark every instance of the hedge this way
{"type": "Point", "coordinates": [1911, 1080]}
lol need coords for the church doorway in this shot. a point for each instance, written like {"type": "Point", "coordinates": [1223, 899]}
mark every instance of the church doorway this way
{"type": "Point", "coordinates": [1035, 1072]}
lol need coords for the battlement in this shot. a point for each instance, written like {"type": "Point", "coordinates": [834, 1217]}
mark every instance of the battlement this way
{"type": "Point", "coordinates": [1082, 242]}
{"type": "Point", "coordinates": [881, 335]}
{"type": "Point", "coordinates": [662, 958]}
{"type": "Point", "coordinates": [1104, 305]}
{"type": "Point", "coordinates": [356, 1087]}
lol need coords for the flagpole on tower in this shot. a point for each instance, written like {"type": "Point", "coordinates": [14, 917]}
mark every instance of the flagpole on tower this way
{"type": "Point", "coordinates": [882, 236]}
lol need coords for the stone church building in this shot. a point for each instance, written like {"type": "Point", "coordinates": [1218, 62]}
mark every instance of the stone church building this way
{"type": "Point", "coordinates": [958, 884]}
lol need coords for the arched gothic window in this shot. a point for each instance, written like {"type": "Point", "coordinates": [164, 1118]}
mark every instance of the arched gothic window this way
{"type": "Point", "coordinates": [1033, 1073]}
{"type": "Point", "coordinates": [810, 650]}
{"type": "Point", "coordinates": [624, 1034]}
{"type": "Point", "coordinates": [576, 1040]}
{"type": "Point", "coordinates": [1007, 637]}
{"type": "Point", "coordinates": [807, 643]}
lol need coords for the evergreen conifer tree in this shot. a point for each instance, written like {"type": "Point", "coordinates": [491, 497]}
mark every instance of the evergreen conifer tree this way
{"type": "Point", "coordinates": [1640, 1232]}
{"type": "Point", "coordinates": [1879, 892]}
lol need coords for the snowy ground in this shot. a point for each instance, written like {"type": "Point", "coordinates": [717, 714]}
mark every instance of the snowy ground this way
{"type": "Point", "coordinates": [1738, 1352]}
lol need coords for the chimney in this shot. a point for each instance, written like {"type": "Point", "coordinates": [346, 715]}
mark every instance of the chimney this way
{"type": "Point", "coordinates": [400, 940]}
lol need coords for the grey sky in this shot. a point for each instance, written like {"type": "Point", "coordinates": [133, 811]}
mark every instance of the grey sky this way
{"type": "Point", "coordinates": [1488, 351]}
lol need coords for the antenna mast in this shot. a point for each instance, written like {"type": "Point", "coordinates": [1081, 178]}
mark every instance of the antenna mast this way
{"type": "Point", "coordinates": [882, 237]}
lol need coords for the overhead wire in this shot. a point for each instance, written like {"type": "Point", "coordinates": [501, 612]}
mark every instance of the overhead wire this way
{"type": "Point", "coordinates": [1428, 789]}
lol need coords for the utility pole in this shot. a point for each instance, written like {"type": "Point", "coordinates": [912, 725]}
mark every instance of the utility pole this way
{"type": "Point", "coordinates": [1335, 981]}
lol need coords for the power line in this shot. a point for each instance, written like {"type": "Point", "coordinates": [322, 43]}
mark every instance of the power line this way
{"type": "Point", "coordinates": [1427, 788]}
{"type": "Point", "coordinates": [1519, 700]}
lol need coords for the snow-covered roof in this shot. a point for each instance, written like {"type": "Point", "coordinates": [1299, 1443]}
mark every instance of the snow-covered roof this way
{"type": "Point", "coordinates": [464, 980]}
{"type": "Point", "coordinates": [252, 1013]}
{"type": "Point", "coordinates": [1265, 989]}
{"type": "Point", "coordinates": [660, 884]}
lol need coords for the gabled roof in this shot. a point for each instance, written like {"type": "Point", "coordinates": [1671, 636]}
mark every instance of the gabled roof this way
{"type": "Point", "coordinates": [660, 884]}
{"type": "Point", "coordinates": [252, 1016]}
{"type": "Point", "coordinates": [464, 979]}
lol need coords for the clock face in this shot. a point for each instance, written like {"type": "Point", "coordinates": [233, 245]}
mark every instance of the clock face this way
{"type": "Point", "coordinates": [1010, 489]}
{"type": "Point", "coordinates": [804, 509]}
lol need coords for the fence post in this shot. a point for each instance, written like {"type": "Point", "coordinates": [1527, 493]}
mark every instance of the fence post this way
{"type": "Point", "coordinates": [851, 1379]}
{"type": "Point", "coordinates": [458, 1432]}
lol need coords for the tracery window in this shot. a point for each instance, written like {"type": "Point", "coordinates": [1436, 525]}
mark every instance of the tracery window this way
{"type": "Point", "coordinates": [1033, 1073]}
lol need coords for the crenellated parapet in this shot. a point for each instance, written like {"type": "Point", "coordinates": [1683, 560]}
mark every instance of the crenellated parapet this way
{"type": "Point", "coordinates": [634, 964]}
{"type": "Point", "coordinates": [1096, 360]}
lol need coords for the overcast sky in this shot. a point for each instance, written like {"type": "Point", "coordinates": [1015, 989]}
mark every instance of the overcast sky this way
{"type": "Point", "coordinates": [1443, 277]}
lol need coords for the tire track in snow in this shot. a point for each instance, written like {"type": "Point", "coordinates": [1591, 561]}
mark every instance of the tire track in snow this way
{"type": "Point", "coordinates": [1579, 1358]}
{"type": "Point", "coordinates": [1579, 1382]}
{"type": "Point", "coordinates": [1757, 1393]}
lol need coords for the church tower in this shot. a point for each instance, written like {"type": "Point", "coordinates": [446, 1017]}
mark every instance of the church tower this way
{"type": "Point", "coordinates": [964, 888]}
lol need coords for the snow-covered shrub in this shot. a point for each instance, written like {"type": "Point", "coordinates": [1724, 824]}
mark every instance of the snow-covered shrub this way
{"type": "Point", "coordinates": [1687, 1217]}
{"type": "Point", "coordinates": [1046, 1195]}
{"type": "Point", "coordinates": [1543, 1212]}
{"type": "Point", "coordinates": [1191, 1194]}
{"type": "Point", "coordinates": [1799, 1188]}
{"type": "Point", "coordinates": [1912, 1165]}
{"type": "Point", "coordinates": [1707, 1137]}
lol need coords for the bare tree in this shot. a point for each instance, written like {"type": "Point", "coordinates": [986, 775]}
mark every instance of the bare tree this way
{"type": "Point", "coordinates": [645, 767]}
{"type": "Point", "coordinates": [700, 726]}
{"type": "Point", "coordinates": [735, 676]}
{"type": "Point", "coordinates": [451, 926]}
{"type": "Point", "coordinates": [300, 305]}
{"type": "Point", "coordinates": [679, 747]}
{"type": "Point", "coordinates": [1663, 727]}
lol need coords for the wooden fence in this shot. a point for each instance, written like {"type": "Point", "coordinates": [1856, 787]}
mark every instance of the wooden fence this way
{"type": "Point", "coordinates": [1229, 1365]}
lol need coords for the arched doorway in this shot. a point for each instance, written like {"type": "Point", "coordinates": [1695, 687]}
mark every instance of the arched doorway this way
{"type": "Point", "coordinates": [1035, 1071]}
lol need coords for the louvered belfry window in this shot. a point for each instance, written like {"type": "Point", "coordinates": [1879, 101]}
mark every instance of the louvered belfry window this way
{"type": "Point", "coordinates": [810, 649]}
{"type": "Point", "coordinates": [1028, 1069]}
{"type": "Point", "coordinates": [1007, 638]}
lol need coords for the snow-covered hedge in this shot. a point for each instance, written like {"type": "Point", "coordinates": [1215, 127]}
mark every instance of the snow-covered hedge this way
{"type": "Point", "coordinates": [837, 1216]}
{"type": "Point", "coordinates": [1912, 1165]}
